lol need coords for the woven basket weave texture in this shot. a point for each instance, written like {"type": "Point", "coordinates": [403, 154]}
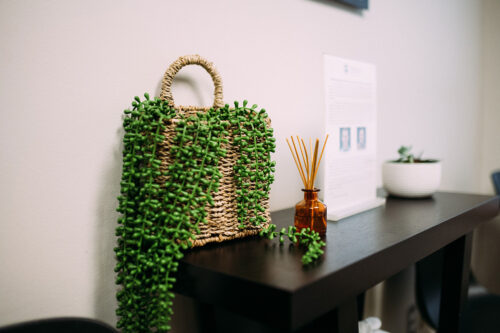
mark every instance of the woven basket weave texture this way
{"type": "Point", "coordinates": [222, 219]}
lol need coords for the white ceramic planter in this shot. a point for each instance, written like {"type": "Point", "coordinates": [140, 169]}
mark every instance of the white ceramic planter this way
{"type": "Point", "coordinates": [411, 180]}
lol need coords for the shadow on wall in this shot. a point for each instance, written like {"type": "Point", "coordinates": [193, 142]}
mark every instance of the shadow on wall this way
{"type": "Point", "coordinates": [105, 239]}
{"type": "Point", "coordinates": [105, 302]}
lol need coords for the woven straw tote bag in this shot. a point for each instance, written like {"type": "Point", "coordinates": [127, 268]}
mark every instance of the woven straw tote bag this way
{"type": "Point", "coordinates": [222, 219]}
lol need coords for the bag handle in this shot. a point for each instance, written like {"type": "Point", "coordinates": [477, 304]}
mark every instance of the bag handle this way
{"type": "Point", "coordinates": [175, 67]}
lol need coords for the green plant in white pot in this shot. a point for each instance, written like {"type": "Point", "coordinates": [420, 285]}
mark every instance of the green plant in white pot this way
{"type": "Point", "coordinates": [410, 176]}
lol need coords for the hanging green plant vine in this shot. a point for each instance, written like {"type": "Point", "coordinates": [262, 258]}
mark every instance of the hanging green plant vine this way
{"type": "Point", "coordinates": [141, 209]}
{"type": "Point", "coordinates": [162, 207]}
{"type": "Point", "coordinates": [307, 238]}
{"type": "Point", "coordinates": [254, 169]}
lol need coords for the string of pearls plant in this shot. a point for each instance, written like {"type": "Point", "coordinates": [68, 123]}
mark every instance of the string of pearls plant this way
{"type": "Point", "coordinates": [308, 238]}
{"type": "Point", "coordinates": [159, 219]}
{"type": "Point", "coordinates": [254, 169]}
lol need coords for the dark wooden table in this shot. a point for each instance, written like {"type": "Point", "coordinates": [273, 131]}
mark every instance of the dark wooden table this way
{"type": "Point", "coordinates": [259, 279]}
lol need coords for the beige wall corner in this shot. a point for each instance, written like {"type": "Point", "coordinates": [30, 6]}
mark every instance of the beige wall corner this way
{"type": "Point", "coordinates": [490, 93]}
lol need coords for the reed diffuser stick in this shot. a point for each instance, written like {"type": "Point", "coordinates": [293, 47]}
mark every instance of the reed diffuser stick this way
{"type": "Point", "coordinates": [311, 150]}
{"type": "Point", "coordinates": [306, 162]}
{"type": "Point", "coordinates": [315, 159]}
{"type": "Point", "coordinates": [309, 165]}
{"type": "Point", "coordinates": [298, 157]}
{"type": "Point", "coordinates": [307, 157]}
{"type": "Point", "coordinates": [321, 156]}
{"type": "Point", "coordinates": [300, 171]}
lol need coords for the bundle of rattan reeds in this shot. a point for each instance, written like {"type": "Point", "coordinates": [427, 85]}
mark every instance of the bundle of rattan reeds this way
{"type": "Point", "coordinates": [308, 167]}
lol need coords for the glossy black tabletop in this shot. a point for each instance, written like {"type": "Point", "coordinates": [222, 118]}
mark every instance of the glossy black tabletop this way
{"type": "Point", "coordinates": [262, 279]}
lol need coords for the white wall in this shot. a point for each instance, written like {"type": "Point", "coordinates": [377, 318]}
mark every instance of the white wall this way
{"type": "Point", "coordinates": [69, 68]}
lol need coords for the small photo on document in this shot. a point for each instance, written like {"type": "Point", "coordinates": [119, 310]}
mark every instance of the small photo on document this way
{"type": "Point", "coordinates": [361, 138]}
{"type": "Point", "coordinates": [345, 139]}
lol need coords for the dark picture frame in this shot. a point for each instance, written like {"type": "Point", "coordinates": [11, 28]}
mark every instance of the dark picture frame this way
{"type": "Point", "coordinates": [361, 4]}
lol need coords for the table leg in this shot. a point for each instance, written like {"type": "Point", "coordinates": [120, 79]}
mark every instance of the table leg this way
{"type": "Point", "coordinates": [348, 317]}
{"type": "Point", "coordinates": [207, 321]}
{"type": "Point", "coordinates": [344, 319]}
{"type": "Point", "coordinates": [455, 283]}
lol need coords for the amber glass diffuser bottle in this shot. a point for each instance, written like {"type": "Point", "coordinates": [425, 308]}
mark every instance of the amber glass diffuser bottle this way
{"type": "Point", "coordinates": [310, 212]}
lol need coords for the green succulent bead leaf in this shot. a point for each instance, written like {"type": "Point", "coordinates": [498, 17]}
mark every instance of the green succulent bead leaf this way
{"type": "Point", "coordinates": [307, 238]}
{"type": "Point", "coordinates": [253, 171]}
{"type": "Point", "coordinates": [162, 205]}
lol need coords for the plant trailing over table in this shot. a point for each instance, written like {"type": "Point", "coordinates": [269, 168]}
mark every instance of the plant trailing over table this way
{"type": "Point", "coordinates": [162, 208]}
{"type": "Point", "coordinates": [139, 205]}
{"type": "Point", "coordinates": [308, 238]}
